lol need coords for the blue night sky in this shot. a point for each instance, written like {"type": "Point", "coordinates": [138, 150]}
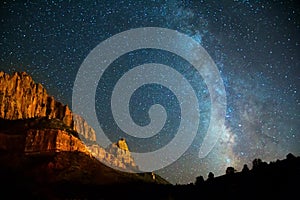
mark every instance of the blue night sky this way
{"type": "Point", "coordinates": [254, 44]}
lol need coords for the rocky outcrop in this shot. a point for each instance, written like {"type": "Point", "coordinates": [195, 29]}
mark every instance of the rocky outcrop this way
{"type": "Point", "coordinates": [114, 156]}
{"type": "Point", "coordinates": [106, 157]}
{"type": "Point", "coordinates": [122, 144]}
{"type": "Point", "coordinates": [86, 131]}
{"type": "Point", "coordinates": [51, 140]}
{"type": "Point", "coordinates": [34, 141]}
{"type": "Point", "coordinates": [117, 155]}
{"type": "Point", "coordinates": [22, 98]}
{"type": "Point", "coordinates": [121, 152]}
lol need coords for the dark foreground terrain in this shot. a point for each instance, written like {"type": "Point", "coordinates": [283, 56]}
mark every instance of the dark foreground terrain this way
{"type": "Point", "coordinates": [85, 178]}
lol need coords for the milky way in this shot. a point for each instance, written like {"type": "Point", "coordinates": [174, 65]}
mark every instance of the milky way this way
{"type": "Point", "coordinates": [254, 44]}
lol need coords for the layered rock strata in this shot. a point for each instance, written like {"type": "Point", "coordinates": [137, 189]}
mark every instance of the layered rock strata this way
{"type": "Point", "coordinates": [22, 98]}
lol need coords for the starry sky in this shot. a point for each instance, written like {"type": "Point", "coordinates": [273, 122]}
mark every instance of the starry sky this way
{"type": "Point", "coordinates": [254, 44]}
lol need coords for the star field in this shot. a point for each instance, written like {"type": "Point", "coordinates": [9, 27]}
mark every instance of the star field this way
{"type": "Point", "coordinates": [254, 44]}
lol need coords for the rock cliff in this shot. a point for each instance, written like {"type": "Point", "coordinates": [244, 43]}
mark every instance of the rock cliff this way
{"type": "Point", "coordinates": [87, 133]}
{"type": "Point", "coordinates": [49, 140]}
{"type": "Point", "coordinates": [22, 98]}
{"type": "Point", "coordinates": [41, 142]}
{"type": "Point", "coordinates": [38, 136]}
{"type": "Point", "coordinates": [51, 126]}
{"type": "Point", "coordinates": [121, 152]}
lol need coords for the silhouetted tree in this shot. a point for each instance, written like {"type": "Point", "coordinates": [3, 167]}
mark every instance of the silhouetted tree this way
{"type": "Point", "coordinates": [211, 176]}
{"type": "Point", "coordinates": [257, 163]}
{"type": "Point", "coordinates": [245, 168]}
{"type": "Point", "coordinates": [290, 156]}
{"type": "Point", "coordinates": [199, 180]}
{"type": "Point", "coordinates": [230, 170]}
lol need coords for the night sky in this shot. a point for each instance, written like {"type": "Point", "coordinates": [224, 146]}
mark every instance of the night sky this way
{"type": "Point", "coordinates": [254, 44]}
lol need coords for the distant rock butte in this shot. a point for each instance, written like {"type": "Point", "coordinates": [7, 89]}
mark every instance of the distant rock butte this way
{"type": "Point", "coordinates": [121, 152]}
{"type": "Point", "coordinates": [22, 98]}
{"type": "Point", "coordinates": [122, 144]}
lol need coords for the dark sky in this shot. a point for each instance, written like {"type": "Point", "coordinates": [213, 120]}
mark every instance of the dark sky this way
{"type": "Point", "coordinates": [254, 44]}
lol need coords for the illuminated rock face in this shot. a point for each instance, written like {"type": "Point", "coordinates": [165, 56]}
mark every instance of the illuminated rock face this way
{"type": "Point", "coordinates": [122, 144]}
{"type": "Point", "coordinates": [49, 140]}
{"type": "Point", "coordinates": [22, 98]}
{"type": "Point", "coordinates": [106, 157]}
{"type": "Point", "coordinates": [45, 141]}
{"type": "Point", "coordinates": [86, 131]}
{"type": "Point", "coordinates": [121, 152]}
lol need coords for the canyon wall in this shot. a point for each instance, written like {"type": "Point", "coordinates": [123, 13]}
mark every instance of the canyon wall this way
{"type": "Point", "coordinates": [22, 98]}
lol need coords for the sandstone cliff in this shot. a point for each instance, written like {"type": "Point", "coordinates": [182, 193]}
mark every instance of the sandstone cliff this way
{"type": "Point", "coordinates": [45, 141]}
{"type": "Point", "coordinates": [49, 140]}
{"type": "Point", "coordinates": [38, 136]}
{"type": "Point", "coordinates": [86, 131]}
{"type": "Point", "coordinates": [22, 98]}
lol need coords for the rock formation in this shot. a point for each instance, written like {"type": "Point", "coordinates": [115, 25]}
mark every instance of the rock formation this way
{"type": "Point", "coordinates": [22, 98]}
{"type": "Point", "coordinates": [122, 144]}
{"type": "Point", "coordinates": [49, 140]}
{"type": "Point", "coordinates": [38, 136]}
{"type": "Point", "coordinates": [87, 133]}
{"type": "Point", "coordinates": [121, 152]}
{"type": "Point", "coordinates": [41, 142]}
